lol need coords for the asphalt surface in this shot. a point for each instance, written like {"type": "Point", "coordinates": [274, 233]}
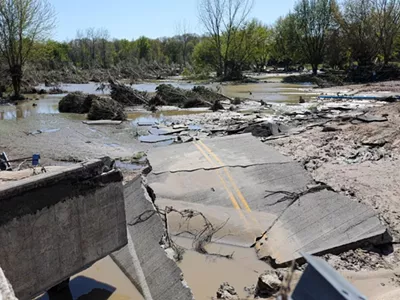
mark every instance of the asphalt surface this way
{"type": "Point", "coordinates": [271, 194]}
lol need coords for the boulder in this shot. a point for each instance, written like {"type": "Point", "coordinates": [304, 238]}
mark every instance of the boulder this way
{"type": "Point", "coordinates": [106, 109]}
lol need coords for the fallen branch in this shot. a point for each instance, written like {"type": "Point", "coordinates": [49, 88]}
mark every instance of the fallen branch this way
{"type": "Point", "coordinates": [200, 238]}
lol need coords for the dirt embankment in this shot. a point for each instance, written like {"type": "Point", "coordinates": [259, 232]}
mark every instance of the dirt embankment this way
{"type": "Point", "coordinates": [361, 160]}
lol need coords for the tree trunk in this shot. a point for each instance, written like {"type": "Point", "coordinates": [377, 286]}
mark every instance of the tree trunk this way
{"type": "Point", "coordinates": [16, 78]}
{"type": "Point", "coordinates": [314, 69]}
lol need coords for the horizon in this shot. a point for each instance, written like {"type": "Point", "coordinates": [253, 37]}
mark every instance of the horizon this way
{"type": "Point", "coordinates": [163, 22]}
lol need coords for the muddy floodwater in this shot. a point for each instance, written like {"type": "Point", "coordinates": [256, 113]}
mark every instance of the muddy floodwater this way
{"type": "Point", "coordinates": [102, 281]}
{"type": "Point", "coordinates": [269, 92]}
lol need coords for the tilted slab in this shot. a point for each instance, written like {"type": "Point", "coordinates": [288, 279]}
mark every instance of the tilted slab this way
{"type": "Point", "coordinates": [143, 260]}
{"type": "Point", "coordinates": [242, 172]}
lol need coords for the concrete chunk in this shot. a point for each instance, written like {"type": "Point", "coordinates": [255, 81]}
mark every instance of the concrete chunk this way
{"type": "Point", "coordinates": [143, 260]}
{"type": "Point", "coordinates": [319, 223]}
{"type": "Point", "coordinates": [54, 225]}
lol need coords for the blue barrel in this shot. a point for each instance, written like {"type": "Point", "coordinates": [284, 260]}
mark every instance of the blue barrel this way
{"type": "Point", "coordinates": [35, 159]}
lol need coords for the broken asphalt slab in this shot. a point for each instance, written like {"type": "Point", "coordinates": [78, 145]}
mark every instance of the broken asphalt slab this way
{"type": "Point", "coordinates": [143, 260]}
{"type": "Point", "coordinates": [243, 173]}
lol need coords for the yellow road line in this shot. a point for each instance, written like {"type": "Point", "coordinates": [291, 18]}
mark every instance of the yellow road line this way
{"type": "Point", "coordinates": [231, 196]}
{"type": "Point", "coordinates": [232, 181]}
{"type": "Point", "coordinates": [237, 190]}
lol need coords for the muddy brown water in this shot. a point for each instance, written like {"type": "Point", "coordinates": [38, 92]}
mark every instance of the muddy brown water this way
{"type": "Point", "coordinates": [271, 92]}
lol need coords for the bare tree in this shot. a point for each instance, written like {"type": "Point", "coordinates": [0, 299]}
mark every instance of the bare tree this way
{"type": "Point", "coordinates": [22, 22]}
{"type": "Point", "coordinates": [223, 19]}
{"type": "Point", "coordinates": [388, 25]}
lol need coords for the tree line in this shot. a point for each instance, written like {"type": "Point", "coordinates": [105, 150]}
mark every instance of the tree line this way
{"type": "Point", "coordinates": [336, 34]}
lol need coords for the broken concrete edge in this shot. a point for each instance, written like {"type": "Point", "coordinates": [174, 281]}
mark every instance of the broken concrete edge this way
{"type": "Point", "coordinates": [140, 282]}
{"type": "Point", "coordinates": [6, 290]}
{"type": "Point", "coordinates": [82, 171]}
{"type": "Point", "coordinates": [383, 239]}
{"type": "Point", "coordinates": [87, 176]}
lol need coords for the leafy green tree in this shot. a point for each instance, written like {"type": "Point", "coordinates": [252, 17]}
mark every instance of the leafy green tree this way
{"type": "Point", "coordinates": [143, 47]}
{"type": "Point", "coordinates": [223, 20]}
{"type": "Point", "coordinates": [358, 22]}
{"type": "Point", "coordinates": [22, 23]}
{"type": "Point", "coordinates": [388, 25]}
{"type": "Point", "coordinates": [262, 42]}
{"type": "Point", "coordinates": [313, 20]}
{"type": "Point", "coordinates": [284, 48]}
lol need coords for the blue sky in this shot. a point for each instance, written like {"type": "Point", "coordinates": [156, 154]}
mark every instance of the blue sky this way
{"type": "Point", "coordinates": [153, 18]}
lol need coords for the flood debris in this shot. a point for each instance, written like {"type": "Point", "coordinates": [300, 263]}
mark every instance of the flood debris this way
{"type": "Point", "coordinates": [269, 283]}
{"type": "Point", "coordinates": [201, 238]}
{"type": "Point", "coordinates": [106, 109]}
{"type": "Point", "coordinates": [126, 95]}
{"type": "Point", "coordinates": [76, 102]}
{"type": "Point", "coordinates": [199, 96]}
{"type": "Point", "coordinates": [227, 292]}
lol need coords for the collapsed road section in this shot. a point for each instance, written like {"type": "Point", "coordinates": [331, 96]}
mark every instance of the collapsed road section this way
{"type": "Point", "coordinates": [55, 224]}
{"type": "Point", "coordinates": [143, 260]}
{"type": "Point", "coordinates": [243, 173]}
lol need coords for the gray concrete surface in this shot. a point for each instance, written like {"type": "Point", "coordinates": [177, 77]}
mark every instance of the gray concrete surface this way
{"type": "Point", "coordinates": [241, 172]}
{"type": "Point", "coordinates": [143, 260]}
{"type": "Point", "coordinates": [54, 225]}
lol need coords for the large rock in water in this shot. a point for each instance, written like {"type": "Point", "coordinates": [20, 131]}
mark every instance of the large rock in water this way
{"type": "Point", "coordinates": [106, 109]}
{"type": "Point", "coordinates": [76, 102]}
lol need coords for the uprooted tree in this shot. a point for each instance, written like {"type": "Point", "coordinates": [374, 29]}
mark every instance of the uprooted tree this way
{"type": "Point", "coordinates": [22, 22]}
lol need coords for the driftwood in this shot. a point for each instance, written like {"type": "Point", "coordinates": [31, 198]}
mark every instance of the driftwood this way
{"type": "Point", "coordinates": [126, 95]}
{"type": "Point", "coordinates": [106, 109]}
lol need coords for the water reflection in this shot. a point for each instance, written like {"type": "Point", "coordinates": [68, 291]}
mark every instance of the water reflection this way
{"type": "Point", "coordinates": [26, 109]}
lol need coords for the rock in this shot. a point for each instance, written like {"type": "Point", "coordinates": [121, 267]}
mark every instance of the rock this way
{"type": "Point", "coordinates": [269, 283]}
{"type": "Point", "coordinates": [227, 292]}
{"type": "Point", "coordinates": [301, 100]}
{"type": "Point", "coordinates": [371, 118]}
{"type": "Point", "coordinates": [76, 102]}
{"type": "Point", "coordinates": [266, 129]}
{"type": "Point", "coordinates": [330, 129]}
{"type": "Point", "coordinates": [106, 109]}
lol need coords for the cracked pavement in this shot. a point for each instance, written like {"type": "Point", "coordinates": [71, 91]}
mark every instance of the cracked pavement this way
{"type": "Point", "coordinates": [238, 176]}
